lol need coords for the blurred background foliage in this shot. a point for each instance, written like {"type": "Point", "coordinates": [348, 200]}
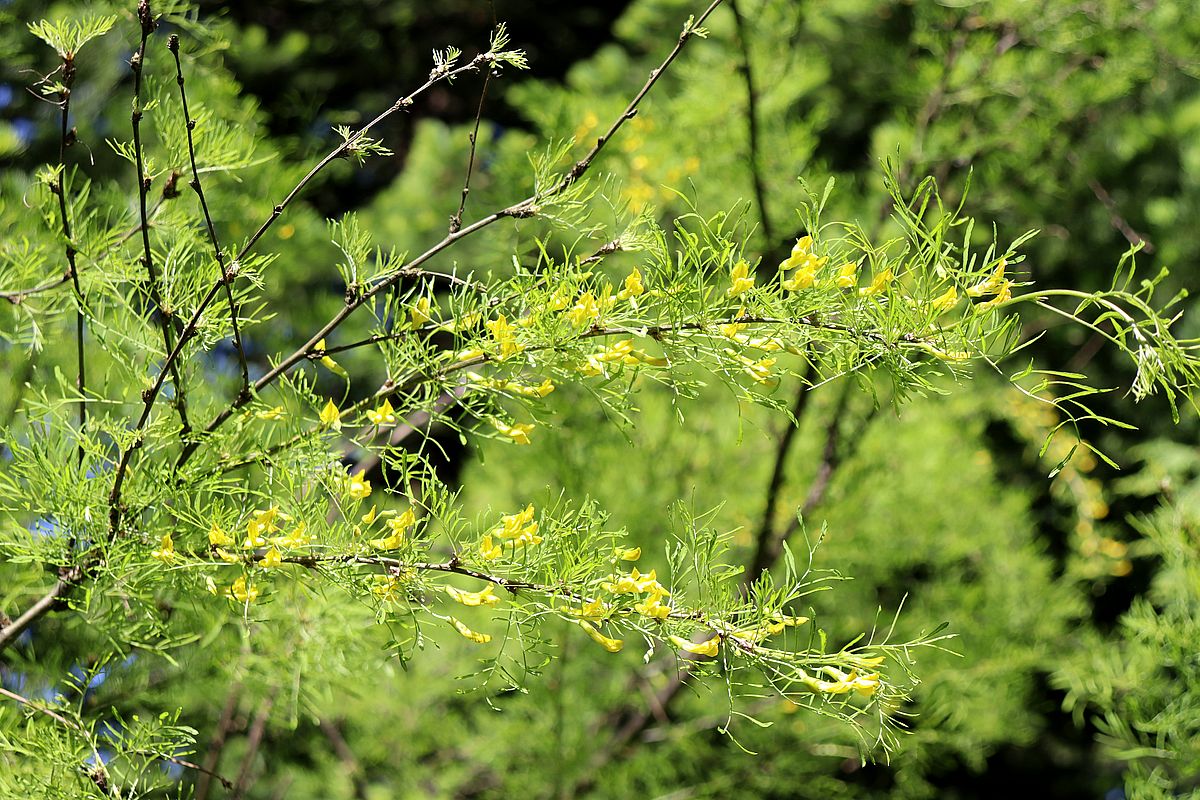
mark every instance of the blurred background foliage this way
{"type": "Point", "coordinates": [1074, 598]}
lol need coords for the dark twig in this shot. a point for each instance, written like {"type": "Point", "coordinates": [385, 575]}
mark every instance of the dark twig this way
{"type": "Point", "coordinates": [253, 740]}
{"type": "Point", "coordinates": [1119, 223]}
{"type": "Point", "coordinates": [341, 747]}
{"type": "Point", "coordinates": [227, 280]}
{"type": "Point", "coordinates": [59, 188]}
{"type": "Point", "coordinates": [746, 69]}
{"type": "Point", "coordinates": [217, 743]}
{"type": "Point", "coordinates": [46, 602]}
{"type": "Point", "coordinates": [456, 220]}
{"type": "Point", "coordinates": [165, 314]}
{"type": "Point", "coordinates": [766, 528]}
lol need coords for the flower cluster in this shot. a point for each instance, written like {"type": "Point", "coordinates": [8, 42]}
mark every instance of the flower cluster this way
{"type": "Point", "coordinates": [622, 352]}
{"type": "Point", "coordinates": [518, 530]}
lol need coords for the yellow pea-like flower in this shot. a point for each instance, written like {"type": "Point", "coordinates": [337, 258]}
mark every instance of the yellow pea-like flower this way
{"type": "Point", "coordinates": [467, 633]}
{"type": "Point", "coordinates": [272, 559]}
{"type": "Point", "coordinates": [945, 301]}
{"type": "Point", "coordinates": [707, 648]}
{"type": "Point", "coordinates": [358, 487]}
{"type": "Point", "coordinates": [166, 550]}
{"type": "Point", "coordinates": [483, 597]}
{"type": "Point", "coordinates": [847, 276]}
{"type": "Point", "coordinates": [611, 645]}
{"type": "Point", "coordinates": [330, 416]}
{"type": "Point", "coordinates": [383, 415]}
{"type": "Point", "coordinates": [242, 591]}
{"type": "Point", "coordinates": [740, 278]}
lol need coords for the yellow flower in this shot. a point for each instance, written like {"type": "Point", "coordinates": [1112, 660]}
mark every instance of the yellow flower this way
{"type": "Point", "coordinates": [166, 550]}
{"type": "Point", "coordinates": [385, 587]}
{"type": "Point", "coordinates": [477, 638]}
{"type": "Point", "coordinates": [803, 278]}
{"type": "Point", "coordinates": [847, 275]}
{"type": "Point", "coordinates": [370, 516]}
{"type": "Point", "coordinates": [469, 354]}
{"type": "Point", "coordinates": [272, 558]}
{"type": "Point", "coordinates": [945, 301]}
{"type": "Point", "coordinates": [218, 537]}
{"type": "Point", "coordinates": [261, 523]}
{"type": "Point", "coordinates": [519, 528]}
{"type": "Point", "coordinates": [992, 283]}
{"type": "Point", "coordinates": [633, 286]}
{"type": "Point", "coordinates": [330, 416]}
{"type": "Point", "coordinates": [559, 300]}
{"type": "Point", "coordinates": [518, 432]}
{"type": "Point", "coordinates": [865, 685]}
{"type": "Point", "coordinates": [383, 415]}
{"type": "Point", "coordinates": [358, 487]}
{"type": "Point", "coordinates": [802, 247]}
{"type": "Point", "coordinates": [773, 625]}
{"type": "Point", "coordinates": [622, 352]}
{"type": "Point", "coordinates": [504, 334]}
{"type": "Point", "coordinates": [226, 556]}
{"type": "Point", "coordinates": [594, 610]}
{"type": "Point", "coordinates": [243, 592]}
{"type": "Point", "coordinates": [398, 526]}
{"type": "Point", "coordinates": [1003, 295]}
{"type": "Point", "coordinates": [297, 537]}
{"type": "Point", "coordinates": [273, 414]}
{"type": "Point", "coordinates": [707, 648]}
{"type": "Point", "coordinates": [879, 283]}
{"type": "Point", "coordinates": [584, 312]}
{"type": "Point", "coordinates": [328, 363]}
{"type": "Point", "coordinates": [653, 606]}
{"type": "Point", "coordinates": [631, 554]}
{"type": "Point", "coordinates": [480, 598]}
{"type": "Point", "coordinates": [419, 313]}
{"type": "Point", "coordinates": [635, 583]}
{"type": "Point", "coordinates": [740, 278]}
{"type": "Point", "coordinates": [611, 645]}
{"type": "Point", "coordinates": [488, 550]}
{"type": "Point", "coordinates": [759, 370]}
{"type": "Point", "coordinates": [731, 330]}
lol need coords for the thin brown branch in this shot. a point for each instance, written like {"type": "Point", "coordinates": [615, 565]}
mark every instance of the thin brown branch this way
{"type": "Point", "coordinates": [253, 740]}
{"type": "Point", "coordinates": [216, 744]}
{"type": "Point", "coordinates": [165, 314]}
{"type": "Point", "coordinates": [44, 604]}
{"type": "Point", "coordinates": [39, 708]}
{"type": "Point", "coordinates": [658, 332]}
{"type": "Point", "coordinates": [1115, 218]}
{"type": "Point", "coordinates": [456, 220]}
{"type": "Point", "coordinates": [752, 124]}
{"type": "Point", "coordinates": [190, 124]}
{"type": "Point", "coordinates": [59, 189]}
{"type": "Point", "coordinates": [18, 296]}
{"type": "Point", "coordinates": [333, 732]}
{"type": "Point", "coordinates": [766, 528]}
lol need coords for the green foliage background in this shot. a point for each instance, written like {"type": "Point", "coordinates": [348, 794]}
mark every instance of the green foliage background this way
{"type": "Point", "coordinates": [1073, 598]}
